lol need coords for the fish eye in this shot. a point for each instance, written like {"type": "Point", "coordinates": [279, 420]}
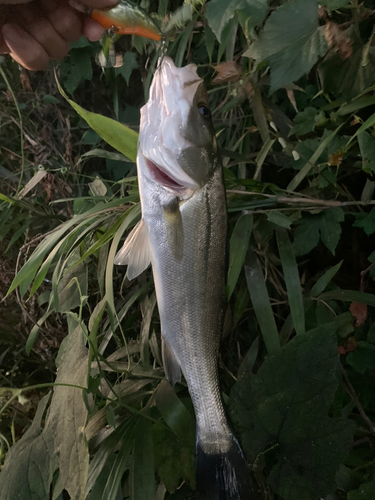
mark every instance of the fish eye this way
{"type": "Point", "coordinates": [204, 110]}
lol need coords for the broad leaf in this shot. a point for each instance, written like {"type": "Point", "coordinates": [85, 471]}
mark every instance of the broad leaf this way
{"type": "Point", "coordinates": [367, 147]}
{"type": "Point", "coordinates": [68, 415]}
{"type": "Point", "coordinates": [351, 75]}
{"type": "Point", "coordinates": [290, 42]}
{"type": "Point", "coordinates": [285, 408]}
{"type": "Point", "coordinates": [173, 460]}
{"type": "Point", "coordinates": [31, 462]}
{"type": "Point", "coordinates": [220, 12]}
{"type": "Point", "coordinates": [325, 226]}
{"type": "Point", "coordinates": [366, 222]}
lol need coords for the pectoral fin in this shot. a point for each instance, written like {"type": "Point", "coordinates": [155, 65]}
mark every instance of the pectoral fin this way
{"type": "Point", "coordinates": [135, 252]}
{"type": "Point", "coordinates": [171, 366]}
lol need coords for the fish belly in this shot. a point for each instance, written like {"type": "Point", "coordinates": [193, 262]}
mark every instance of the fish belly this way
{"type": "Point", "coordinates": [190, 288]}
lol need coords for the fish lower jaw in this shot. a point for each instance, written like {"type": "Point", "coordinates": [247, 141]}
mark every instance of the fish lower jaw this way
{"type": "Point", "coordinates": [163, 178]}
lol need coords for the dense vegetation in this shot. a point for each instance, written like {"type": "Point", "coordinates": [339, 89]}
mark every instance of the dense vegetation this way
{"type": "Point", "coordinates": [291, 85]}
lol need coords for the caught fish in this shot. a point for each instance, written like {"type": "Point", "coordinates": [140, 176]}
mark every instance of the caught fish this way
{"type": "Point", "coordinates": [183, 234]}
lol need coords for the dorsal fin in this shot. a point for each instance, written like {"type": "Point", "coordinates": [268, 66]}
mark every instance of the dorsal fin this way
{"type": "Point", "coordinates": [171, 365]}
{"type": "Point", "coordinates": [135, 252]}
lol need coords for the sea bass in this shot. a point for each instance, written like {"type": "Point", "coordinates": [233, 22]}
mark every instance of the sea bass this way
{"type": "Point", "coordinates": [183, 234]}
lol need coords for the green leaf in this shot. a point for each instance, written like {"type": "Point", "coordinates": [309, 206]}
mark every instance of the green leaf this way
{"type": "Point", "coordinates": [365, 492]}
{"type": "Point", "coordinates": [349, 296]}
{"type": "Point", "coordinates": [114, 133]}
{"type": "Point", "coordinates": [290, 42]}
{"type": "Point", "coordinates": [175, 413]}
{"type": "Point", "coordinates": [76, 69]}
{"type": "Point", "coordinates": [292, 280]}
{"type": "Point", "coordinates": [285, 407]}
{"type": "Point", "coordinates": [261, 302]}
{"type": "Point", "coordinates": [68, 415]}
{"type": "Point", "coordinates": [73, 284]}
{"type": "Point", "coordinates": [129, 63]}
{"type": "Point", "coordinates": [174, 461]}
{"type": "Point", "coordinates": [363, 358]}
{"type": "Point", "coordinates": [367, 147]}
{"type": "Point", "coordinates": [30, 464]}
{"type": "Point", "coordinates": [305, 121]}
{"type": "Point", "coordinates": [220, 12]}
{"type": "Point", "coordinates": [324, 143]}
{"type": "Point", "coordinates": [310, 228]}
{"type": "Point", "coordinates": [121, 463]}
{"type": "Point", "coordinates": [336, 4]}
{"type": "Point", "coordinates": [143, 467]}
{"type": "Point", "coordinates": [351, 75]}
{"type": "Point", "coordinates": [324, 280]}
{"type": "Point", "coordinates": [279, 218]}
{"type": "Point", "coordinates": [239, 243]}
{"type": "Point", "coordinates": [366, 221]}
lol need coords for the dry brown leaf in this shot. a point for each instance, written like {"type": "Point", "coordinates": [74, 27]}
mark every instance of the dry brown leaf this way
{"type": "Point", "coordinates": [337, 40]}
{"type": "Point", "coordinates": [227, 72]}
{"type": "Point", "coordinates": [359, 312]}
{"type": "Point", "coordinates": [335, 159]}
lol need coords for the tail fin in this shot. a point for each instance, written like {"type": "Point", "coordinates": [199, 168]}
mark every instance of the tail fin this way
{"type": "Point", "coordinates": [223, 476]}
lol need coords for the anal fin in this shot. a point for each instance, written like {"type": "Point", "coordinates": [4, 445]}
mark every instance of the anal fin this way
{"type": "Point", "coordinates": [135, 252]}
{"type": "Point", "coordinates": [171, 365]}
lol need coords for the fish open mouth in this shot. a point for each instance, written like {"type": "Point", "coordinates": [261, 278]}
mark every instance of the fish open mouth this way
{"type": "Point", "coordinates": [162, 177]}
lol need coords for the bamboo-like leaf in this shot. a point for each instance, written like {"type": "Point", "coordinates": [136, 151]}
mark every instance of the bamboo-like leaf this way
{"type": "Point", "coordinates": [147, 306]}
{"type": "Point", "coordinates": [120, 464]}
{"type": "Point", "coordinates": [292, 280]}
{"type": "Point", "coordinates": [143, 466]}
{"type": "Point", "coordinates": [262, 155]}
{"type": "Point", "coordinates": [250, 358]}
{"type": "Point", "coordinates": [28, 271]}
{"type": "Point", "coordinates": [296, 181]}
{"type": "Point", "coordinates": [349, 296]}
{"type": "Point", "coordinates": [117, 135]}
{"type": "Point", "coordinates": [324, 280]}
{"type": "Point", "coordinates": [107, 448]}
{"type": "Point", "coordinates": [239, 243]}
{"type": "Point", "coordinates": [175, 413]}
{"type": "Point", "coordinates": [261, 302]}
{"type": "Point", "coordinates": [367, 124]}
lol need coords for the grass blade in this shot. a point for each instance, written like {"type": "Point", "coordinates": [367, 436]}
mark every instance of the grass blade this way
{"type": "Point", "coordinates": [261, 302]}
{"type": "Point", "coordinates": [239, 243]}
{"type": "Point", "coordinates": [324, 280]}
{"type": "Point", "coordinates": [143, 467]}
{"type": "Point", "coordinates": [117, 135]}
{"type": "Point", "coordinates": [292, 280]}
{"type": "Point", "coordinates": [296, 181]}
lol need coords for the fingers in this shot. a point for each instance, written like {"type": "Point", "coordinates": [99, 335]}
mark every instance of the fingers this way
{"type": "Point", "coordinates": [40, 30]}
{"type": "Point", "coordinates": [65, 20]}
{"type": "Point", "coordinates": [24, 48]}
{"type": "Point", "coordinates": [99, 4]}
{"type": "Point", "coordinates": [32, 20]}
{"type": "Point", "coordinates": [92, 30]}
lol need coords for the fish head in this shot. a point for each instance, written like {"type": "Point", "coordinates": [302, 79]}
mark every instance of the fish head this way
{"type": "Point", "coordinates": [177, 144]}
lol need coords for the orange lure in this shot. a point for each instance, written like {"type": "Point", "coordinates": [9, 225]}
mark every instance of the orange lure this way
{"type": "Point", "coordinates": [127, 19]}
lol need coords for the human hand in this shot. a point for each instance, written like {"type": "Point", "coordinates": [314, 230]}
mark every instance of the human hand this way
{"type": "Point", "coordinates": [35, 31]}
